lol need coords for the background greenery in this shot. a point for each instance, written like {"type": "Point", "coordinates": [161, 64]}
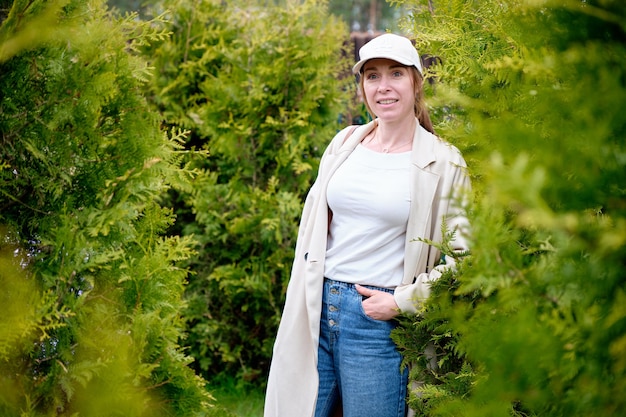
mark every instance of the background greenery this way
{"type": "Point", "coordinates": [257, 89]}
{"type": "Point", "coordinates": [358, 15]}
{"type": "Point", "coordinates": [152, 176]}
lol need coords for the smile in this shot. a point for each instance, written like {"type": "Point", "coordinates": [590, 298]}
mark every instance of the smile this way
{"type": "Point", "coordinates": [388, 101]}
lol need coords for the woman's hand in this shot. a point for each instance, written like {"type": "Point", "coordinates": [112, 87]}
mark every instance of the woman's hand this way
{"type": "Point", "coordinates": [379, 305]}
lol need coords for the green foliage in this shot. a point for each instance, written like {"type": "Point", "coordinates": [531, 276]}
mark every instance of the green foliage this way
{"type": "Point", "coordinates": [360, 14]}
{"type": "Point", "coordinates": [536, 321]}
{"type": "Point", "coordinates": [257, 88]}
{"type": "Point", "coordinates": [22, 22]}
{"type": "Point", "coordinates": [439, 370]}
{"type": "Point", "coordinates": [91, 287]}
{"type": "Point", "coordinates": [236, 398]}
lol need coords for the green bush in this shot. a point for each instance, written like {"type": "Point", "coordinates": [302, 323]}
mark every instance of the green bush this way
{"type": "Point", "coordinates": [258, 88]}
{"type": "Point", "coordinates": [91, 287]}
{"type": "Point", "coordinates": [535, 322]}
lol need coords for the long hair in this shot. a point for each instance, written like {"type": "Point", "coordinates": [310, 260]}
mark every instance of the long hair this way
{"type": "Point", "coordinates": [421, 111]}
{"type": "Point", "coordinates": [419, 107]}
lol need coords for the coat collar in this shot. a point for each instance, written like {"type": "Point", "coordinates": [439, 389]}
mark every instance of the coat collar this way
{"type": "Point", "coordinates": [422, 155]}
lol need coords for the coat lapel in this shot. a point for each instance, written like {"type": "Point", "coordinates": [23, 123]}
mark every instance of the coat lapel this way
{"type": "Point", "coordinates": [424, 185]}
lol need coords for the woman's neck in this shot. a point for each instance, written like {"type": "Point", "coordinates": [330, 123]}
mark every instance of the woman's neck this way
{"type": "Point", "coordinates": [392, 137]}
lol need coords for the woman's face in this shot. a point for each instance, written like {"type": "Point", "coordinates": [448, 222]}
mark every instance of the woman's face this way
{"type": "Point", "coordinates": [389, 89]}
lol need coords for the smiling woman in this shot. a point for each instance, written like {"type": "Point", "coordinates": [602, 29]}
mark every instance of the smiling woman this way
{"type": "Point", "coordinates": [398, 57]}
{"type": "Point", "coordinates": [358, 262]}
{"type": "Point", "coordinates": [388, 92]}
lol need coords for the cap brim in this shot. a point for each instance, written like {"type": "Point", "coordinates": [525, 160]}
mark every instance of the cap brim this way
{"type": "Point", "coordinates": [359, 65]}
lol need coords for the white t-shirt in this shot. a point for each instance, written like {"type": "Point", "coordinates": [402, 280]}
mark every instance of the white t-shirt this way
{"type": "Point", "coordinates": [369, 197]}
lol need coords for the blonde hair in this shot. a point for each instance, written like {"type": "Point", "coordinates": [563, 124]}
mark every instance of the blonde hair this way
{"type": "Point", "coordinates": [419, 107]}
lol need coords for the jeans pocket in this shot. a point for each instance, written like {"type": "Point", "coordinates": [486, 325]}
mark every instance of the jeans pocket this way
{"type": "Point", "coordinates": [362, 310]}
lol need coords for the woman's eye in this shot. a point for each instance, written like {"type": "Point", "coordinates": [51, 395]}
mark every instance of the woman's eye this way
{"type": "Point", "coordinates": [371, 76]}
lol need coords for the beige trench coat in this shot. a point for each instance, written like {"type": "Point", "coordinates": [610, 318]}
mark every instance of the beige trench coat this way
{"type": "Point", "coordinates": [438, 172]}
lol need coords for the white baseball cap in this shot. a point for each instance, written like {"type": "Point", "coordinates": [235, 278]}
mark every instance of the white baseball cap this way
{"type": "Point", "coordinates": [390, 46]}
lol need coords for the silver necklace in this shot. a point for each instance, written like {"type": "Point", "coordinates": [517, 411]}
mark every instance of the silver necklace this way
{"type": "Point", "coordinates": [393, 148]}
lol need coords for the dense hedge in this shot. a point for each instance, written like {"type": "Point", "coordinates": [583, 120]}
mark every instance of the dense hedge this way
{"type": "Point", "coordinates": [258, 88]}
{"type": "Point", "coordinates": [90, 287]}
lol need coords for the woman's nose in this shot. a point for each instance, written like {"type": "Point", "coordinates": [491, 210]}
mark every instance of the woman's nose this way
{"type": "Point", "coordinates": [383, 85]}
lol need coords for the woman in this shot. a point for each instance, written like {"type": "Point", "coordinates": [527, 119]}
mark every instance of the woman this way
{"type": "Point", "coordinates": [358, 261]}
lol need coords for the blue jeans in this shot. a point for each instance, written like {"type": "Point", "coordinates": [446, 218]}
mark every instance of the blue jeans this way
{"type": "Point", "coordinates": [358, 363]}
